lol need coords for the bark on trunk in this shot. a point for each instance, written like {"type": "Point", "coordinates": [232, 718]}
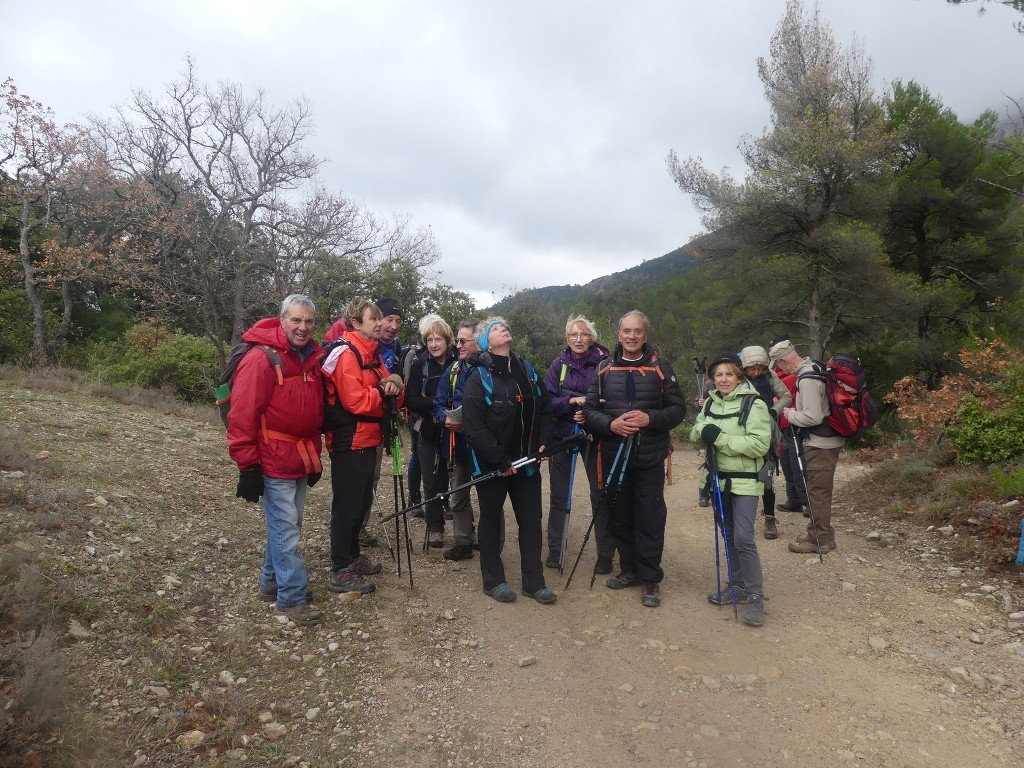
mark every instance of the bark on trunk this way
{"type": "Point", "coordinates": [39, 356]}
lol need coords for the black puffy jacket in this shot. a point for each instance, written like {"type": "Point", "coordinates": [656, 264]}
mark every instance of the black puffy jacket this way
{"type": "Point", "coordinates": [516, 423]}
{"type": "Point", "coordinates": [655, 391]}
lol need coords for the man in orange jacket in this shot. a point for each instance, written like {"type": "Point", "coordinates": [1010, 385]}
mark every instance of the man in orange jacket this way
{"type": "Point", "coordinates": [358, 385]}
{"type": "Point", "coordinates": [274, 438]}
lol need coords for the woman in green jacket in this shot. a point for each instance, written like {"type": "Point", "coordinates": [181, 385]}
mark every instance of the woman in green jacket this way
{"type": "Point", "coordinates": [736, 425]}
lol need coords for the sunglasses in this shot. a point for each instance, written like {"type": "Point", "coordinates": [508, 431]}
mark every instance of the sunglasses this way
{"type": "Point", "coordinates": [463, 342]}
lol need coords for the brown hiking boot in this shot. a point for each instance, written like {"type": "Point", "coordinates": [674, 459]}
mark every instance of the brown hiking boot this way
{"type": "Point", "coordinates": [808, 547]}
{"type": "Point", "coordinates": [771, 530]}
{"type": "Point", "coordinates": [302, 614]}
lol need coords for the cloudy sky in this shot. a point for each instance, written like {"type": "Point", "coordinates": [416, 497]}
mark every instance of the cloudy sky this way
{"type": "Point", "coordinates": [530, 136]}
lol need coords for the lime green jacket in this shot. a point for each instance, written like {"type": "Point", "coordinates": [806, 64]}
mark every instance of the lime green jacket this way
{"type": "Point", "coordinates": [739, 448]}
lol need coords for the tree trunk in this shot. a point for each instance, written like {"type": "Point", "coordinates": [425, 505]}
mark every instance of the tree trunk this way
{"type": "Point", "coordinates": [817, 346]}
{"type": "Point", "coordinates": [39, 356]}
{"type": "Point", "coordinates": [65, 318]}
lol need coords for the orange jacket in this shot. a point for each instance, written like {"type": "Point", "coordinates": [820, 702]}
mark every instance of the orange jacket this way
{"type": "Point", "coordinates": [355, 405]}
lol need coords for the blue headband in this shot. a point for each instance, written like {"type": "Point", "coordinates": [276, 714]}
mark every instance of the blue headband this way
{"type": "Point", "coordinates": [486, 332]}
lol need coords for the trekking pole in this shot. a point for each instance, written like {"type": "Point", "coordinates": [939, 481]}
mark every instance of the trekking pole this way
{"type": "Point", "coordinates": [700, 370]}
{"type": "Point", "coordinates": [568, 502]}
{"type": "Point", "coordinates": [604, 500]}
{"type": "Point", "coordinates": [399, 486]}
{"type": "Point", "coordinates": [797, 448]}
{"type": "Point", "coordinates": [719, 506]}
{"type": "Point", "coordinates": [559, 447]}
{"type": "Point", "coordinates": [380, 519]}
{"type": "Point", "coordinates": [611, 508]}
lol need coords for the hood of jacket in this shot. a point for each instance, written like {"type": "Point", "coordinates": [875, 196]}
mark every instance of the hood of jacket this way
{"type": "Point", "coordinates": [647, 350]}
{"type": "Point", "coordinates": [593, 356]}
{"type": "Point", "coordinates": [268, 331]}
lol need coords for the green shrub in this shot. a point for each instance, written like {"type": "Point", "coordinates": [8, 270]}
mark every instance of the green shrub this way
{"type": "Point", "coordinates": [987, 436]}
{"type": "Point", "coordinates": [151, 357]}
{"type": "Point", "coordinates": [1010, 483]}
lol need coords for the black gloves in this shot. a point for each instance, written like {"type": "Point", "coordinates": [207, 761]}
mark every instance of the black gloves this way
{"type": "Point", "coordinates": [250, 484]}
{"type": "Point", "coordinates": [314, 478]}
{"type": "Point", "coordinates": [710, 433]}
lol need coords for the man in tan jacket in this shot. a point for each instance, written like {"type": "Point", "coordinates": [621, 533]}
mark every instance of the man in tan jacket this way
{"type": "Point", "coordinates": [820, 445]}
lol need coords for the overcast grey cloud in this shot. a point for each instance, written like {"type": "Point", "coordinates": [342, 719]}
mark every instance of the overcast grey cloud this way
{"type": "Point", "coordinates": [530, 136]}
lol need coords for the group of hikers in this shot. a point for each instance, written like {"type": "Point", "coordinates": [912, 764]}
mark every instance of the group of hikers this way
{"type": "Point", "coordinates": [482, 417]}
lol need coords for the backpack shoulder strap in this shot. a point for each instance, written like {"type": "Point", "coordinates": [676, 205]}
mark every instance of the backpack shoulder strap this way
{"type": "Point", "coordinates": [275, 361]}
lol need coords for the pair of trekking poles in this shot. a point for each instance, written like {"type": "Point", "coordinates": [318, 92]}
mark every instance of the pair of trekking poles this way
{"type": "Point", "coordinates": [718, 504]}
{"type": "Point", "coordinates": [402, 510]}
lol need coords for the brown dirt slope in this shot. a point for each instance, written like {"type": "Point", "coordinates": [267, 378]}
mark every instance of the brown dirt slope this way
{"type": "Point", "coordinates": [883, 655]}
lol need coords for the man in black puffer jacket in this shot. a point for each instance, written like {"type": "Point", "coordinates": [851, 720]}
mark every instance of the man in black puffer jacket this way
{"type": "Point", "coordinates": [635, 402]}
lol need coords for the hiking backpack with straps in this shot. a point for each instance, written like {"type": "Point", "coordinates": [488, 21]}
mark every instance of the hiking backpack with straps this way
{"type": "Point", "coordinates": [336, 417]}
{"type": "Point", "coordinates": [772, 457]}
{"type": "Point", "coordinates": [227, 379]}
{"type": "Point", "coordinates": [851, 409]}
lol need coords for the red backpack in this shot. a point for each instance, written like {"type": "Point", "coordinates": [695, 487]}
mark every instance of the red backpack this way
{"type": "Point", "coordinates": [851, 407]}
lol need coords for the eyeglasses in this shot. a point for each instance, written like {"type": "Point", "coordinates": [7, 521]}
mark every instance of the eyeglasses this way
{"type": "Point", "coordinates": [578, 336]}
{"type": "Point", "coordinates": [463, 342]}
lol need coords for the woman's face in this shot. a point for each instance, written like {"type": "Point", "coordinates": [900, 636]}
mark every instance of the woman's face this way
{"type": "Point", "coordinates": [753, 371]}
{"type": "Point", "coordinates": [725, 379]}
{"type": "Point", "coordinates": [498, 337]}
{"type": "Point", "coordinates": [579, 339]}
{"type": "Point", "coordinates": [367, 325]}
{"type": "Point", "coordinates": [437, 346]}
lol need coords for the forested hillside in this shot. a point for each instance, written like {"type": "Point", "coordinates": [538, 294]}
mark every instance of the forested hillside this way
{"type": "Point", "coordinates": [138, 246]}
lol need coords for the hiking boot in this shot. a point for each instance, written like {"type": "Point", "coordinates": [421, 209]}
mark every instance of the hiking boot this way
{"type": "Point", "coordinates": [623, 580]}
{"type": "Point", "coordinates": [270, 596]}
{"type": "Point", "coordinates": [435, 539]}
{"type": "Point", "coordinates": [790, 506]}
{"type": "Point", "coordinates": [771, 530]}
{"type": "Point", "coordinates": [604, 565]}
{"type": "Point", "coordinates": [544, 596]}
{"type": "Point", "coordinates": [808, 547]}
{"type": "Point", "coordinates": [364, 566]}
{"type": "Point", "coordinates": [725, 596]}
{"type": "Point", "coordinates": [367, 539]}
{"type": "Point", "coordinates": [302, 614]}
{"type": "Point", "coordinates": [458, 552]}
{"type": "Point", "coordinates": [754, 615]}
{"type": "Point", "coordinates": [349, 581]}
{"type": "Point", "coordinates": [650, 594]}
{"type": "Point", "coordinates": [414, 499]}
{"type": "Point", "coordinates": [552, 561]}
{"type": "Point", "coordinates": [703, 499]}
{"type": "Point", "coordinates": [502, 593]}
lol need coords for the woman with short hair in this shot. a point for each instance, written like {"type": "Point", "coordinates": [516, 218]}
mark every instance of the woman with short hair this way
{"type": "Point", "coordinates": [567, 381]}
{"type": "Point", "coordinates": [424, 377]}
{"type": "Point", "coordinates": [737, 427]}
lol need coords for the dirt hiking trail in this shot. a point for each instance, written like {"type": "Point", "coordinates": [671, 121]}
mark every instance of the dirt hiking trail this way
{"type": "Point", "coordinates": [880, 656]}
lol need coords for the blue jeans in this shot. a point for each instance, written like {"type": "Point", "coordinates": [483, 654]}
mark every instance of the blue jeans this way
{"type": "Point", "coordinates": [282, 503]}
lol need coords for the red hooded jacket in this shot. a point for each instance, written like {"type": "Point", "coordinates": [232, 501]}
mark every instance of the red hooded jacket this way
{"type": "Point", "coordinates": [277, 425]}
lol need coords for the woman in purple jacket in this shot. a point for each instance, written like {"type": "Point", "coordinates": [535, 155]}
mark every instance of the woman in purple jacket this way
{"type": "Point", "coordinates": [567, 380]}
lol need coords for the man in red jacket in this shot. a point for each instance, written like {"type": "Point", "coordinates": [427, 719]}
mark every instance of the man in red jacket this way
{"type": "Point", "coordinates": [274, 438]}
